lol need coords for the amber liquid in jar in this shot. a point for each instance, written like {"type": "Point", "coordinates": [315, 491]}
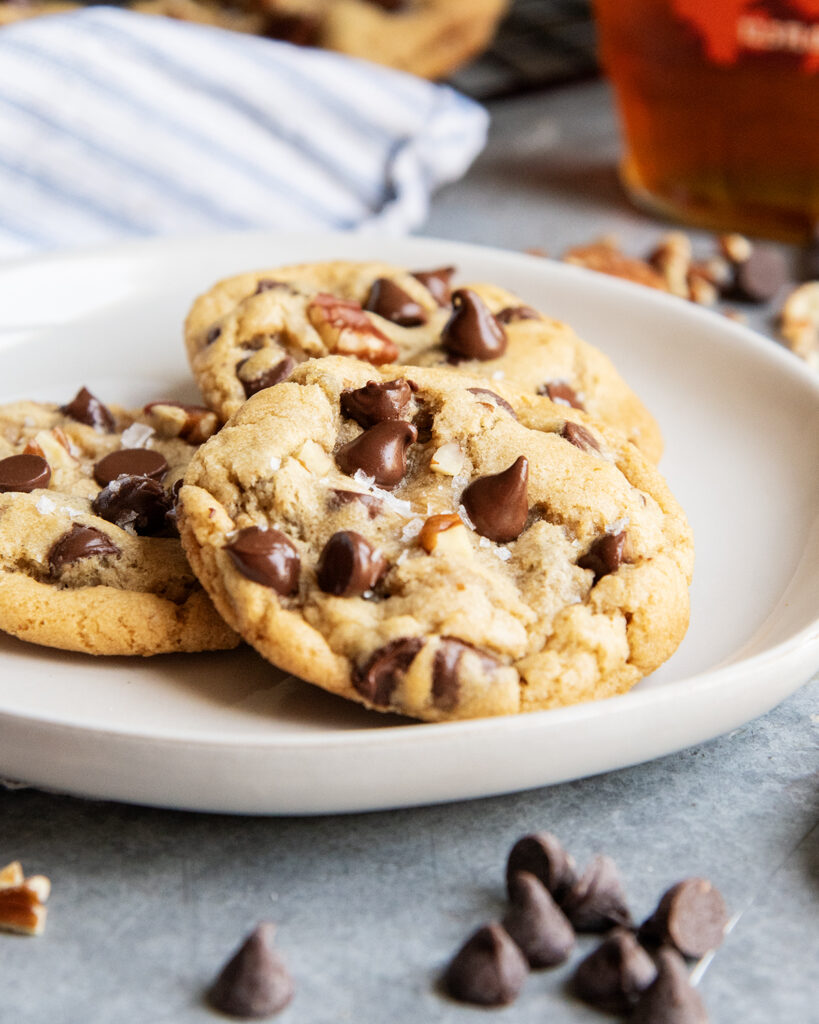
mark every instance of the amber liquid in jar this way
{"type": "Point", "coordinates": [719, 102]}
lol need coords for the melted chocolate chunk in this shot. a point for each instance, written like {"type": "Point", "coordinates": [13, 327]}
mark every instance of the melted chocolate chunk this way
{"type": "Point", "coordinates": [498, 504]}
{"type": "Point", "coordinates": [298, 29]}
{"type": "Point", "coordinates": [376, 402]}
{"type": "Point", "coordinates": [85, 408]}
{"type": "Point", "coordinates": [513, 313]}
{"type": "Point", "coordinates": [501, 403]}
{"type": "Point", "coordinates": [691, 916]}
{"type": "Point", "coordinates": [605, 555]}
{"type": "Point", "coordinates": [268, 557]}
{"type": "Point", "coordinates": [670, 999]}
{"type": "Point", "coordinates": [135, 501]}
{"type": "Point", "coordinates": [213, 334]}
{"type": "Point", "coordinates": [447, 661]}
{"type": "Point", "coordinates": [130, 462]}
{"type": "Point", "coordinates": [472, 332]}
{"type": "Point", "coordinates": [580, 437]}
{"type": "Point", "coordinates": [536, 923]}
{"type": "Point", "coordinates": [349, 565]}
{"type": "Point", "coordinates": [560, 392]}
{"type": "Point", "coordinates": [437, 283]}
{"type": "Point", "coordinates": [596, 901]}
{"type": "Point", "coordinates": [542, 855]}
{"type": "Point", "coordinates": [254, 983]}
{"type": "Point", "coordinates": [391, 302]}
{"type": "Point", "coordinates": [267, 284]}
{"type": "Point", "coordinates": [380, 452]}
{"type": "Point", "coordinates": [613, 976]}
{"type": "Point", "coordinates": [79, 542]}
{"type": "Point", "coordinates": [275, 375]}
{"type": "Point", "coordinates": [385, 669]}
{"type": "Point", "coordinates": [488, 970]}
{"type": "Point", "coordinates": [372, 504]}
{"type": "Point", "coordinates": [23, 473]}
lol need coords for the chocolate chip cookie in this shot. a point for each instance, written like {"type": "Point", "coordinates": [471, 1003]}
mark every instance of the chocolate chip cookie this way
{"type": "Point", "coordinates": [249, 332]}
{"type": "Point", "coordinates": [90, 558]}
{"type": "Point", "coordinates": [418, 541]}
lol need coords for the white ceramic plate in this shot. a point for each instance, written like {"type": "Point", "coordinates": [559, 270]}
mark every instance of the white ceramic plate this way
{"type": "Point", "coordinates": [227, 732]}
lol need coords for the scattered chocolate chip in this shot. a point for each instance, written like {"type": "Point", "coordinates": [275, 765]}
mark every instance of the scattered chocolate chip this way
{"type": "Point", "coordinates": [298, 29]}
{"type": "Point", "coordinates": [135, 501]}
{"type": "Point", "coordinates": [513, 313]}
{"type": "Point", "coordinates": [372, 504]}
{"type": "Point", "coordinates": [268, 557]}
{"type": "Point", "coordinates": [691, 916]}
{"type": "Point", "coordinates": [349, 565]}
{"type": "Point", "coordinates": [391, 302]}
{"type": "Point", "coordinates": [423, 422]}
{"type": "Point", "coordinates": [670, 999]}
{"type": "Point", "coordinates": [497, 504]}
{"type": "Point", "coordinates": [447, 661]}
{"type": "Point", "coordinates": [85, 408]}
{"type": "Point", "coordinates": [23, 473]}
{"type": "Point", "coordinates": [437, 283]}
{"type": "Point", "coordinates": [386, 668]}
{"type": "Point", "coordinates": [760, 277]}
{"type": "Point", "coordinates": [471, 331]}
{"type": "Point", "coordinates": [542, 855]}
{"type": "Point", "coordinates": [488, 970]}
{"type": "Point", "coordinates": [130, 462]}
{"type": "Point", "coordinates": [380, 452]}
{"type": "Point", "coordinates": [613, 976]}
{"type": "Point", "coordinates": [254, 983]}
{"type": "Point", "coordinates": [391, 5]}
{"type": "Point", "coordinates": [501, 403]}
{"type": "Point", "coordinates": [213, 334]}
{"type": "Point", "coordinates": [376, 401]}
{"type": "Point", "coordinates": [580, 437]}
{"type": "Point", "coordinates": [267, 284]}
{"type": "Point", "coordinates": [275, 375]}
{"type": "Point", "coordinates": [605, 555]}
{"type": "Point", "coordinates": [596, 901]}
{"type": "Point", "coordinates": [79, 542]}
{"type": "Point", "coordinates": [536, 922]}
{"type": "Point", "coordinates": [560, 392]}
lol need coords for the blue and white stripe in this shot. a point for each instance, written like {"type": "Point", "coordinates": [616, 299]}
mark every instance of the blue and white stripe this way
{"type": "Point", "coordinates": [116, 124]}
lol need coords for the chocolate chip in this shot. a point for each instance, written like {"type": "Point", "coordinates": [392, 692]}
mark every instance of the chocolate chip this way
{"type": "Point", "coordinates": [387, 299]}
{"type": "Point", "coordinates": [691, 916]}
{"type": "Point", "coordinates": [275, 375]}
{"type": "Point", "coordinates": [268, 557]}
{"type": "Point", "coordinates": [536, 922]}
{"type": "Point", "coordinates": [497, 504]}
{"type": "Point", "coordinates": [542, 855]}
{"type": "Point", "coordinates": [596, 901]}
{"type": "Point", "coordinates": [447, 662]}
{"type": "Point", "coordinates": [386, 668]}
{"type": "Point", "coordinates": [511, 314]}
{"type": "Point", "coordinates": [298, 29]}
{"type": "Point", "coordinates": [349, 565]}
{"type": "Point", "coordinates": [437, 283]}
{"type": "Point", "coordinates": [130, 462]}
{"type": "Point", "coordinates": [501, 403]}
{"type": "Point", "coordinates": [488, 970]}
{"type": "Point", "coordinates": [376, 402]}
{"type": "Point", "coordinates": [213, 334]}
{"type": "Point", "coordinates": [605, 555]}
{"type": "Point", "coordinates": [613, 976]}
{"type": "Point", "coordinates": [380, 452]}
{"type": "Point", "coordinates": [670, 999]}
{"type": "Point", "coordinates": [23, 473]}
{"type": "Point", "coordinates": [580, 437]}
{"type": "Point", "coordinates": [760, 277]}
{"type": "Point", "coordinates": [372, 504]}
{"type": "Point", "coordinates": [391, 5]}
{"type": "Point", "coordinates": [79, 542]}
{"type": "Point", "coordinates": [560, 392]}
{"type": "Point", "coordinates": [254, 983]}
{"type": "Point", "coordinates": [85, 408]}
{"type": "Point", "coordinates": [472, 332]}
{"type": "Point", "coordinates": [135, 501]}
{"type": "Point", "coordinates": [267, 284]}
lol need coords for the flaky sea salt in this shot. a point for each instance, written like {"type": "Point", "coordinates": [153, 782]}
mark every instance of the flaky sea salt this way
{"type": "Point", "coordinates": [498, 375]}
{"type": "Point", "coordinates": [275, 462]}
{"type": "Point", "coordinates": [412, 529]}
{"type": "Point", "coordinates": [397, 505]}
{"type": "Point", "coordinates": [45, 506]}
{"type": "Point", "coordinates": [137, 435]}
{"type": "Point", "coordinates": [618, 525]}
{"type": "Point", "coordinates": [504, 554]}
{"type": "Point", "coordinates": [467, 521]}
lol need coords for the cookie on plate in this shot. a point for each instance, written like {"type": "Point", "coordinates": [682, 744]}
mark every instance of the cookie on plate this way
{"type": "Point", "coordinates": [414, 540]}
{"type": "Point", "coordinates": [90, 558]}
{"type": "Point", "coordinates": [249, 331]}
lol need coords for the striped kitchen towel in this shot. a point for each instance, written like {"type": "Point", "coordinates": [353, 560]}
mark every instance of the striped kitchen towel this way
{"type": "Point", "coordinates": [117, 124]}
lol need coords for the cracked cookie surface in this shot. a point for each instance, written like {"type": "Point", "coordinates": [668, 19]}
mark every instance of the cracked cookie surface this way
{"type": "Point", "coordinates": [250, 331]}
{"type": "Point", "coordinates": [90, 559]}
{"type": "Point", "coordinates": [414, 540]}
